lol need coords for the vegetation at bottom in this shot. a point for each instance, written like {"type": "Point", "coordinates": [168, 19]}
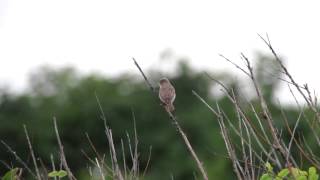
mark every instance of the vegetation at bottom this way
{"type": "Point", "coordinates": [233, 124]}
{"type": "Point", "coordinates": [289, 173]}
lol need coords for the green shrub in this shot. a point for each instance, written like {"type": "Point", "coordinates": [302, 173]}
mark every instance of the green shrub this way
{"type": "Point", "coordinates": [291, 173]}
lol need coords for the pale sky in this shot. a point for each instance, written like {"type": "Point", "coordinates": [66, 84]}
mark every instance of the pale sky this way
{"type": "Point", "coordinates": [103, 35]}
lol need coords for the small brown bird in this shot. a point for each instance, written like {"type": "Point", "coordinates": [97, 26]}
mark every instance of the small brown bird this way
{"type": "Point", "coordinates": [167, 94]}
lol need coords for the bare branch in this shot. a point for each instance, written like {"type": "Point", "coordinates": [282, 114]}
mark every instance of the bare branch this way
{"type": "Point", "coordinates": [286, 72]}
{"type": "Point", "coordinates": [62, 155]}
{"type": "Point", "coordinates": [32, 153]}
{"type": "Point", "coordinates": [236, 65]}
{"type": "Point", "coordinates": [144, 76]}
{"type": "Point", "coordinates": [18, 158]}
{"type": "Point", "coordinates": [175, 122]}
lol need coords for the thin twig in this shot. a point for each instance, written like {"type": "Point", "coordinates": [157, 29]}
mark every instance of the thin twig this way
{"type": "Point", "coordinates": [175, 122]}
{"type": "Point", "coordinates": [136, 156]}
{"type": "Point", "coordinates": [144, 76]}
{"type": "Point", "coordinates": [100, 169]}
{"type": "Point", "coordinates": [286, 72]}
{"type": "Point", "coordinates": [113, 154]}
{"type": "Point", "coordinates": [53, 165]}
{"type": "Point", "coordinates": [32, 153]}
{"type": "Point", "coordinates": [237, 66]}
{"type": "Point", "coordinates": [18, 158]}
{"type": "Point", "coordinates": [45, 171]}
{"type": "Point", "coordinates": [265, 109]}
{"type": "Point", "coordinates": [299, 146]}
{"type": "Point", "coordinates": [149, 158]}
{"type": "Point", "coordinates": [62, 155]}
{"type": "Point", "coordinates": [292, 136]}
{"type": "Point", "coordinates": [186, 141]}
{"type": "Point", "coordinates": [5, 164]}
{"type": "Point", "coordinates": [95, 150]}
{"type": "Point", "coordinates": [124, 160]}
{"type": "Point", "coordinates": [231, 152]}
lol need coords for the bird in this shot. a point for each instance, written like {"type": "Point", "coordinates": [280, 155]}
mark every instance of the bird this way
{"type": "Point", "coordinates": [167, 94]}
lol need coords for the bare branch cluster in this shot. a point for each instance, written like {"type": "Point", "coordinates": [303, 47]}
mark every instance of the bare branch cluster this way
{"type": "Point", "coordinates": [260, 140]}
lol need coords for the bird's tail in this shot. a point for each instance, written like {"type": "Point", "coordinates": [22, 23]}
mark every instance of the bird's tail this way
{"type": "Point", "coordinates": [170, 107]}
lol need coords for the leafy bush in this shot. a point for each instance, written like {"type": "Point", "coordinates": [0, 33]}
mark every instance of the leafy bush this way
{"type": "Point", "coordinates": [291, 173]}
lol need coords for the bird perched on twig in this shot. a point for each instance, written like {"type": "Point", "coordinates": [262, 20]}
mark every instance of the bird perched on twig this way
{"type": "Point", "coordinates": [167, 94]}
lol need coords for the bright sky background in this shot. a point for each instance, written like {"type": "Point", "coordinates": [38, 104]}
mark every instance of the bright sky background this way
{"type": "Point", "coordinates": [103, 35]}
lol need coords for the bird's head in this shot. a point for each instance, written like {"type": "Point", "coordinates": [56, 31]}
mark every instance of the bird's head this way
{"type": "Point", "coordinates": [164, 81]}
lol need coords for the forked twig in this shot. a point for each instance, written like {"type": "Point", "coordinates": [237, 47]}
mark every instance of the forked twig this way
{"type": "Point", "coordinates": [265, 109]}
{"type": "Point", "coordinates": [18, 158]}
{"type": "Point", "coordinates": [308, 100]}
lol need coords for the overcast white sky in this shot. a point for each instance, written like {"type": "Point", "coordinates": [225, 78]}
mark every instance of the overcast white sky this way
{"type": "Point", "coordinates": [104, 35]}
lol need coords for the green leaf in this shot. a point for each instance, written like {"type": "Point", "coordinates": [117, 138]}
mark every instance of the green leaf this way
{"type": "Point", "coordinates": [269, 167]}
{"type": "Point", "coordinates": [295, 172]}
{"type": "Point", "coordinates": [283, 173]}
{"type": "Point", "coordinates": [312, 170]}
{"type": "Point", "coordinates": [266, 177]}
{"type": "Point", "coordinates": [314, 177]}
{"type": "Point", "coordinates": [302, 177]}
{"type": "Point", "coordinates": [59, 174]}
{"type": "Point", "coordinates": [313, 174]}
{"type": "Point", "coordinates": [10, 175]}
{"type": "Point", "coordinates": [303, 173]}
